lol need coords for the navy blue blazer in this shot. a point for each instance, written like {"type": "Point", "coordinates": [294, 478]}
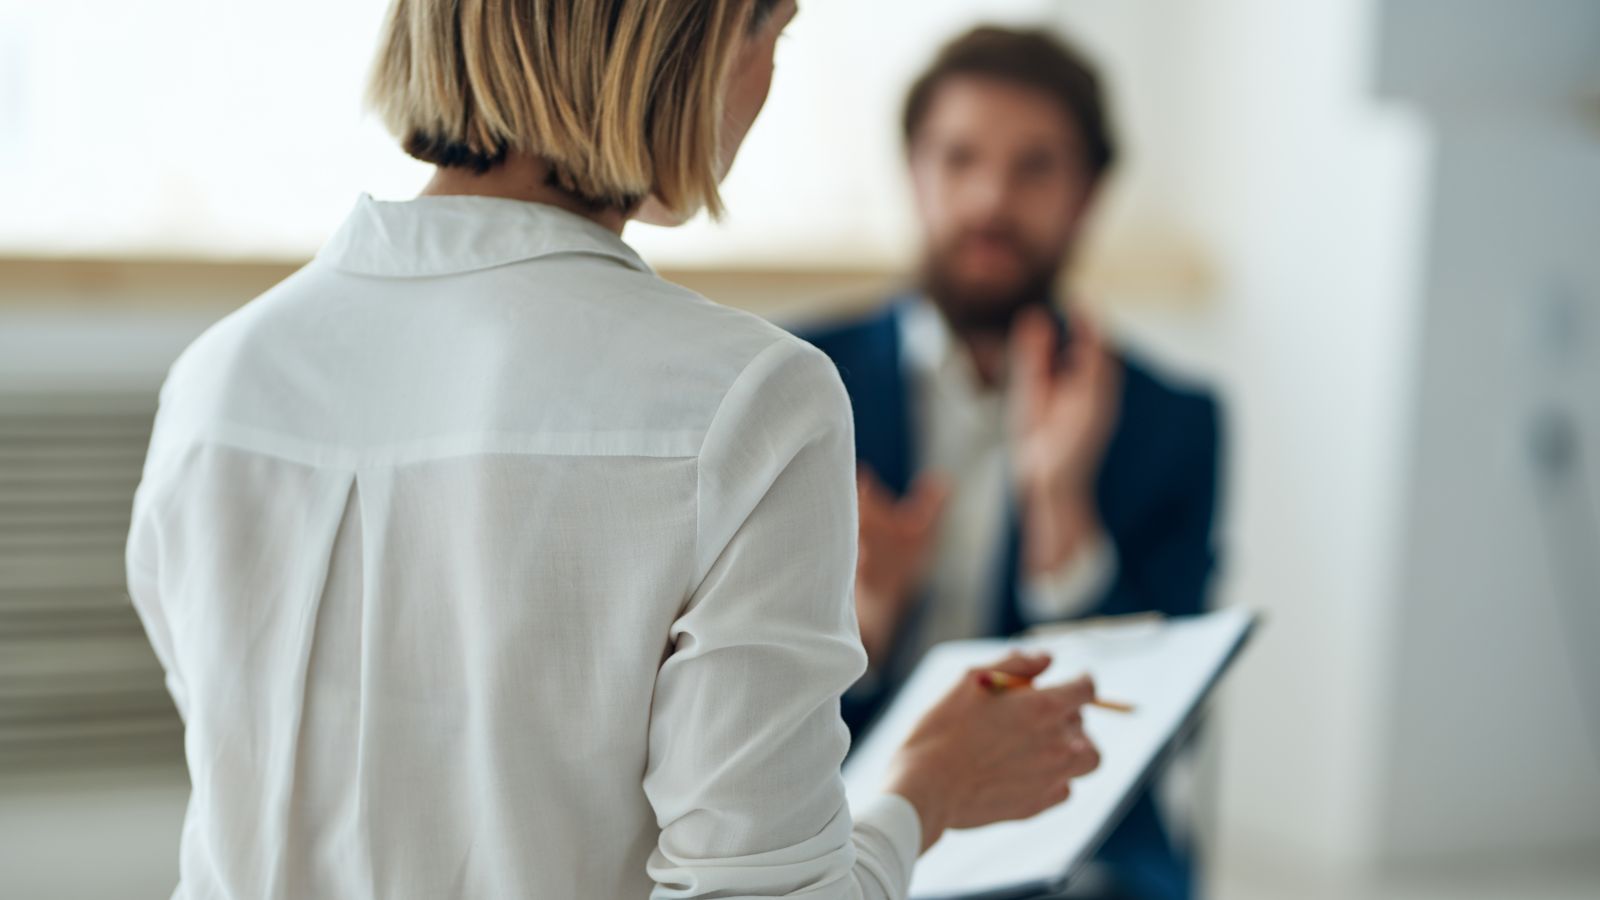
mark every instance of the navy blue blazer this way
{"type": "Point", "coordinates": [1156, 494]}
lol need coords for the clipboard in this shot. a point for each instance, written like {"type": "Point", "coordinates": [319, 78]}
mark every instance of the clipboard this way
{"type": "Point", "coordinates": [1166, 669]}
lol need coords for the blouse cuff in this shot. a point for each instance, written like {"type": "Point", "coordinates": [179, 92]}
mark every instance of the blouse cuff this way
{"type": "Point", "coordinates": [891, 823]}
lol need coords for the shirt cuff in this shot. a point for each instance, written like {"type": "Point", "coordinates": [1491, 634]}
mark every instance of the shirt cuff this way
{"type": "Point", "coordinates": [1074, 586]}
{"type": "Point", "coordinates": [891, 823]}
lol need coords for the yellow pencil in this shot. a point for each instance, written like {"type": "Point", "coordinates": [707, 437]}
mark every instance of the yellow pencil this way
{"type": "Point", "coordinates": [1004, 681]}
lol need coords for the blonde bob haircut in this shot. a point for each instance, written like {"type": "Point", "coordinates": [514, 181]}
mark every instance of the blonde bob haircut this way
{"type": "Point", "coordinates": [622, 99]}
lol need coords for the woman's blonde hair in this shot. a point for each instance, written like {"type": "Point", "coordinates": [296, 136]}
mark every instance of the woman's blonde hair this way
{"type": "Point", "coordinates": [621, 98]}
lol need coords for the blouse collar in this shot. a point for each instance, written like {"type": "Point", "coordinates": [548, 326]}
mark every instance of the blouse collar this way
{"type": "Point", "coordinates": [445, 235]}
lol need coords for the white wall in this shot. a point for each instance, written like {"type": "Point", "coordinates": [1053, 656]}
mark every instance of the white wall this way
{"type": "Point", "coordinates": [1398, 195]}
{"type": "Point", "coordinates": [1256, 118]}
{"type": "Point", "coordinates": [1495, 730]}
{"type": "Point", "coordinates": [189, 127]}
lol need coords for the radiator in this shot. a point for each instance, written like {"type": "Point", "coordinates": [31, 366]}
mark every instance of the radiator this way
{"type": "Point", "coordinates": [79, 684]}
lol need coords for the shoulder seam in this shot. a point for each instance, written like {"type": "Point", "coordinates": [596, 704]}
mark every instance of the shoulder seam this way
{"type": "Point", "coordinates": [777, 342]}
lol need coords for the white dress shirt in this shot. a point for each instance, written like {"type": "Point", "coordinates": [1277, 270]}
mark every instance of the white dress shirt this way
{"type": "Point", "coordinates": [482, 562]}
{"type": "Point", "coordinates": [962, 433]}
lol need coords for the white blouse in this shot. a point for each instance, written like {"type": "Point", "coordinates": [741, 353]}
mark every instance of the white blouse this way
{"type": "Point", "coordinates": [485, 563]}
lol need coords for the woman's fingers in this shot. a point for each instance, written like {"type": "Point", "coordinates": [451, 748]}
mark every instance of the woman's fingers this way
{"type": "Point", "coordinates": [1073, 695]}
{"type": "Point", "coordinates": [1019, 664]}
{"type": "Point", "coordinates": [986, 756]}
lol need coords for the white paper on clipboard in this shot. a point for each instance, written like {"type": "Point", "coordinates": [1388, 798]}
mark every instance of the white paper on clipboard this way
{"type": "Point", "coordinates": [1164, 668]}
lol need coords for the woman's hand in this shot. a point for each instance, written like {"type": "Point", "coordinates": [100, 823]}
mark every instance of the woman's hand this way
{"type": "Point", "coordinates": [980, 756]}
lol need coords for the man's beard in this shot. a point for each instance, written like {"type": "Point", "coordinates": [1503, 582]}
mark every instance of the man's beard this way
{"type": "Point", "coordinates": [987, 310]}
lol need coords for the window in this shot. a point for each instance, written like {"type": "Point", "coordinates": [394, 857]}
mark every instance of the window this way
{"type": "Point", "coordinates": [209, 128]}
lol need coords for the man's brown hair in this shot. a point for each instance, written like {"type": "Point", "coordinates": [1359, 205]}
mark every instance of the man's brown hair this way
{"type": "Point", "coordinates": [1032, 58]}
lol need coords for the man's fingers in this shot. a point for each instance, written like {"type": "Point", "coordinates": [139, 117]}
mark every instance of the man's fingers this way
{"type": "Point", "coordinates": [1033, 330]}
{"type": "Point", "coordinates": [1097, 368]}
{"type": "Point", "coordinates": [928, 496]}
{"type": "Point", "coordinates": [1033, 344]}
{"type": "Point", "coordinates": [875, 503]}
{"type": "Point", "coordinates": [1087, 359]}
{"type": "Point", "coordinates": [868, 484]}
{"type": "Point", "coordinates": [1085, 333]}
{"type": "Point", "coordinates": [908, 519]}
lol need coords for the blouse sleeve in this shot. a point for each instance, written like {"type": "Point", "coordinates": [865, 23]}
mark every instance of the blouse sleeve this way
{"type": "Point", "coordinates": [140, 565]}
{"type": "Point", "coordinates": [745, 735]}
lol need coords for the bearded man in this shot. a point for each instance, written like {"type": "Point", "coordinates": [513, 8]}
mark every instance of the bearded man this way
{"type": "Point", "coordinates": [1015, 468]}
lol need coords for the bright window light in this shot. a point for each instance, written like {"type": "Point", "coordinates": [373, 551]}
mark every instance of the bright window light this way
{"type": "Point", "coordinates": [204, 128]}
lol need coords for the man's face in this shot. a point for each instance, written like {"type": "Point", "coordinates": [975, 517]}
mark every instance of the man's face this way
{"type": "Point", "coordinates": [1001, 187]}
